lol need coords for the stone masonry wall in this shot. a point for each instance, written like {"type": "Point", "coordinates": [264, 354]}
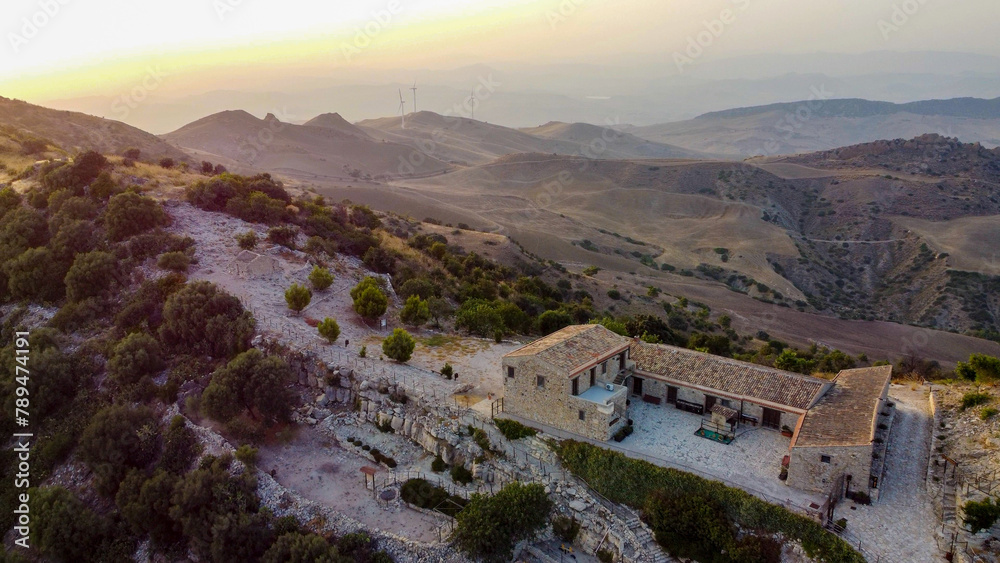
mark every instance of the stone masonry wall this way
{"type": "Point", "coordinates": [807, 471]}
{"type": "Point", "coordinates": [553, 404]}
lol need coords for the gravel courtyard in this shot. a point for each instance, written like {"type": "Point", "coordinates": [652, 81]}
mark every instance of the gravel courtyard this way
{"type": "Point", "coordinates": [903, 524]}
{"type": "Point", "coordinates": [752, 461]}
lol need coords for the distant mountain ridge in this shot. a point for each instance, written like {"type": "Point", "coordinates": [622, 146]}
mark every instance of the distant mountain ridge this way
{"type": "Point", "coordinates": [465, 141]}
{"type": "Point", "coordinates": [973, 108]}
{"type": "Point", "coordinates": [327, 147]}
{"type": "Point", "coordinates": [820, 125]}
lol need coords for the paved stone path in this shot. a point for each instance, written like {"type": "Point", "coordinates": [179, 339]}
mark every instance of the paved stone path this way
{"type": "Point", "coordinates": [902, 525]}
{"type": "Point", "coordinates": [751, 462]}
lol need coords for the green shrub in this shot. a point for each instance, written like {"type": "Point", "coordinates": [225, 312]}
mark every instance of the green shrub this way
{"type": "Point", "coordinates": [447, 370]}
{"type": "Point", "coordinates": [438, 465]}
{"type": "Point", "coordinates": [297, 297]}
{"type": "Point", "coordinates": [514, 430]}
{"type": "Point", "coordinates": [67, 529]}
{"type": "Point", "coordinates": [250, 382]}
{"type": "Point", "coordinates": [614, 294]}
{"type": "Point", "coordinates": [117, 439]}
{"type": "Point", "coordinates": [35, 275]}
{"type": "Point", "coordinates": [981, 515]}
{"type": "Point", "coordinates": [565, 528]}
{"type": "Point", "coordinates": [91, 275]}
{"type": "Point", "coordinates": [174, 261]}
{"type": "Point", "coordinates": [369, 300]}
{"type": "Point", "coordinates": [320, 278]}
{"type": "Point", "coordinates": [283, 235]}
{"type": "Point", "coordinates": [605, 556]}
{"type": "Point", "coordinates": [481, 439]}
{"type": "Point", "coordinates": [415, 311]}
{"type": "Point", "coordinates": [247, 454]}
{"type": "Point", "coordinates": [200, 318]}
{"type": "Point", "coordinates": [399, 345]}
{"type": "Point", "coordinates": [129, 214]}
{"type": "Point", "coordinates": [247, 240]}
{"type": "Point", "coordinates": [988, 413]}
{"type": "Point", "coordinates": [632, 482]}
{"type": "Point", "coordinates": [180, 447]}
{"type": "Point", "coordinates": [460, 474]}
{"type": "Point", "coordinates": [974, 399]}
{"type": "Point", "coordinates": [329, 329]}
{"type": "Point", "coordinates": [136, 356]}
{"type": "Point", "coordinates": [490, 526]}
{"type": "Point", "coordinates": [422, 494]}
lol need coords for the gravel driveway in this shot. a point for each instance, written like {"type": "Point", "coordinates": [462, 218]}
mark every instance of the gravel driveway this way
{"type": "Point", "coordinates": [902, 525]}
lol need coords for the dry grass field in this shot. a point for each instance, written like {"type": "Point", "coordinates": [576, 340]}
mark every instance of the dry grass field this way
{"type": "Point", "coordinates": [971, 242]}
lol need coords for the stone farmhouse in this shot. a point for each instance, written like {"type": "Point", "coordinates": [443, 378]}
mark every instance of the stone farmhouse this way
{"type": "Point", "coordinates": [583, 378]}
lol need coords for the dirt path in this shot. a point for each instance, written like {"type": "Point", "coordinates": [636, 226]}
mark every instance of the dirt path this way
{"type": "Point", "coordinates": [903, 524]}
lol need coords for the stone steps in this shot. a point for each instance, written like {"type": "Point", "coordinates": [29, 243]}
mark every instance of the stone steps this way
{"type": "Point", "coordinates": [948, 501]}
{"type": "Point", "coordinates": [647, 541]}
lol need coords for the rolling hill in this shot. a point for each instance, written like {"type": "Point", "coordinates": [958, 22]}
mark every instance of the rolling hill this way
{"type": "Point", "coordinates": [901, 231]}
{"type": "Point", "coordinates": [465, 141]}
{"type": "Point", "coordinates": [75, 132]}
{"type": "Point", "coordinates": [818, 125]}
{"type": "Point", "coordinates": [327, 148]}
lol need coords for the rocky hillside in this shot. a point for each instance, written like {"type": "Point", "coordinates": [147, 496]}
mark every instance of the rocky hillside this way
{"type": "Point", "coordinates": [75, 132]}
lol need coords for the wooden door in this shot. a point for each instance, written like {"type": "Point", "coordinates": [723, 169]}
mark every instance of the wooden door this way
{"type": "Point", "coordinates": [709, 402]}
{"type": "Point", "coordinates": [672, 395]}
{"type": "Point", "coordinates": [772, 418]}
{"type": "Point", "coordinates": [637, 386]}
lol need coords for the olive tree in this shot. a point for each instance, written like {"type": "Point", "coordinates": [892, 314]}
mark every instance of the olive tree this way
{"type": "Point", "coordinates": [203, 319]}
{"type": "Point", "coordinates": [251, 383]}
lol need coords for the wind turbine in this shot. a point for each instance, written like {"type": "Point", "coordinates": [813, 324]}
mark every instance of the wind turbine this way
{"type": "Point", "coordinates": [414, 88]}
{"type": "Point", "coordinates": [402, 110]}
{"type": "Point", "coordinates": [473, 104]}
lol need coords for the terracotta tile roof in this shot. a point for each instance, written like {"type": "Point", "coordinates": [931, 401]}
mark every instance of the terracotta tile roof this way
{"type": "Point", "coordinates": [728, 376]}
{"type": "Point", "coordinates": [573, 346]}
{"type": "Point", "coordinates": [846, 415]}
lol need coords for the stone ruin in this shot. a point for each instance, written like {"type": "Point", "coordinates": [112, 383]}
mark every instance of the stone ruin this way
{"type": "Point", "coordinates": [249, 264]}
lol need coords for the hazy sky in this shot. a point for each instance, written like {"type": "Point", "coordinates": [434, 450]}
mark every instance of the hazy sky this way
{"type": "Point", "coordinates": [65, 48]}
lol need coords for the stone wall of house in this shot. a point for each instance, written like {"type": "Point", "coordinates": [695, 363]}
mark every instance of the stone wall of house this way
{"type": "Point", "coordinates": [553, 403]}
{"type": "Point", "coordinates": [807, 471]}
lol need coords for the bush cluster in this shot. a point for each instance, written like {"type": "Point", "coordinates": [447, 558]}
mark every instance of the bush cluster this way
{"type": "Point", "coordinates": [632, 482]}
{"type": "Point", "coordinates": [514, 430]}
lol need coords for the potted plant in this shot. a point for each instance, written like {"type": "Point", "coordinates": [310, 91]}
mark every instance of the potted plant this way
{"type": "Point", "coordinates": [784, 473]}
{"type": "Point", "coordinates": [786, 431]}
